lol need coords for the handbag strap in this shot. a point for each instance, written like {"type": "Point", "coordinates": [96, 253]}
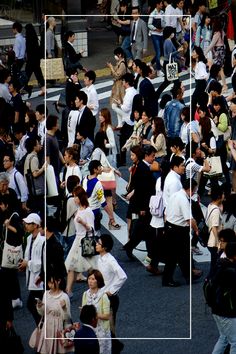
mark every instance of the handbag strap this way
{"type": "Point", "coordinates": [9, 220]}
{"type": "Point", "coordinates": [207, 218]}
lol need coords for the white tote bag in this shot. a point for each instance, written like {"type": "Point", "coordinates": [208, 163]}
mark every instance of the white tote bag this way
{"type": "Point", "coordinates": [11, 255]}
{"type": "Point", "coordinates": [52, 190]}
{"type": "Point", "coordinates": [172, 70]}
{"type": "Point", "coordinates": [216, 167]}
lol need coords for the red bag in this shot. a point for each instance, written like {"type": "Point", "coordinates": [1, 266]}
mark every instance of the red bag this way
{"type": "Point", "coordinates": [67, 335]}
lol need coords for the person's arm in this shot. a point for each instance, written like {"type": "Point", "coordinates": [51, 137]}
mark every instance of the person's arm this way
{"type": "Point", "coordinates": [105, 308]}
{"type": "Point", "coordinates": [145, 36]}
{"type": "Point", "coordinates": [214, 40]}
{"type": "Point", "coordinates": [232, 145]}
{"type": "Point", "coordinates": [111, 139]}
{"type": "Point", "coordinates": [192, 223]}
{"type": "Point", "coordinates": [118, 279]}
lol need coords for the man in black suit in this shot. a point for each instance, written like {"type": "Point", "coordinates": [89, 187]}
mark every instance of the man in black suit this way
{"type": "Point", "coordinates": [72, 59]}
{"type": "Point", "coordinates": [147, 91]}
{"type": "Point", "coordinates": [144, 188]}
{"type": "Point", "coordinates": [86, 341]}
{"type": "Point", "coordinates": [81, 119]}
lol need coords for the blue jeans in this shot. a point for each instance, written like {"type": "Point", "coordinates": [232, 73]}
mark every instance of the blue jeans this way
{"type": "Point", "coordinates": [227, 330]}
{"type": "Point", "coordinates": [157, 44]}
{"type": "Point", "coordinates": [126, 47]}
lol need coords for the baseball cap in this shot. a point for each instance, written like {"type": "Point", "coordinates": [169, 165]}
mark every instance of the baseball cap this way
{"type": "Point", "coordinates": [32, 218]}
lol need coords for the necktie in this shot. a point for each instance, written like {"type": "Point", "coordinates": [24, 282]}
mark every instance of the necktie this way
{"type": "Point", "coordinates": [133, 32]}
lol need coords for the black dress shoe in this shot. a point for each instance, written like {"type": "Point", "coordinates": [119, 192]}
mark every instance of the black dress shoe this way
{"type": "Point", "coordinates": [29, 90]}
{"type": "Point", "coordinates": [171, 284]}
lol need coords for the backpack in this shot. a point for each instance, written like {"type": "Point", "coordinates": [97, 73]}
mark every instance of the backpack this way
{"type": "Point", "coordinates": [156, 204]}
{"type": "Point", "coordinates": [218, 295]}
{"type": "Point", "coordinates": [204, 232]}
{"type": "Point", "coordinates": [20, 164]}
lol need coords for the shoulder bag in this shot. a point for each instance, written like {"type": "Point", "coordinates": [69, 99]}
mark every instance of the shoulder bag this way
{"type": "Point", "coordinates": [88, 244]}
{"type": "Point", "coordinates": [11, 255]}
{"type": "Point", "coordinates": [172, 70]}
{"type": "Point", "coordinates": [35, 184]}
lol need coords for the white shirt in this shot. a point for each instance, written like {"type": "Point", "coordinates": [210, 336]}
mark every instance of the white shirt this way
{"type": "Point", "coordinates": [73, 171]}
{"type": "Point", "coordinates": [19, 46]}
{"type": "Point", "coordinates": [21, 150]}
{"type": "Point", "coordinates": [200, 71]}
{"type": "Point", "coordinates": [153, 16]}
{"type": "Point", "coordinates": [172, 184]}
{"type": "Point", "coordinates": [34, 264]}
{"type": "Point", "coordinates": [19, 186]}
{"type": "Point", "coordinates": [114, 276]}
{"type": "Point", "coordinates": [126, 107]}
{"type": "Point", "coordinates": [156, 221]}
{"type": "Point", "coordinates": [41, 131]}
{"type": "Point", "coordinates": [170, 20]}
{"type": "Point", "coordinates": [71, 126]}
{"type": "Point", "coordinates": [181, 212]}
{"type": "Point", "coordinates": [91, 92]}
{"type": "Point", "coordinates": [4, 92]}
{"type": "Point", "coordinates": [179, 13]}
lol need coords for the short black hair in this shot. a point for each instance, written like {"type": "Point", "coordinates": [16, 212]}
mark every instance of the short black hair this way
{"type": "Point", "coordinates": [230, 250]}
{"type": "Point", "coordinates": [88, 314]}
{"type": "Point", "coordinates": [51, 121]}
{"type": "Point", "coordinates": [189, 183]}
{"type": "Point", "coordinates": [129, 78]}
{"type": "Point", "coordinates": [228, 235]}
{"type": "Point", "coordinates": [82, 96]}
{"type": "Point", "coordinates": [30, 143]}
{"type": "Point", "coordinates": [215, 86]}
{"type": "Point", "coordinates": [216, 192]}
{"type": "Point", "coordinates": [176, 161]}
{"type": "Point", "coordinates": [69, 34]}
{"type": "Point", "coordinates": [41, 109]}
{"type": "Point", "coordinates": [107, 242]}
{"type": "Point", "coordinates": [91, 75]}
{"type": "Point", "coordinates": [94, 164]}
{"type": "Point", "coordinates": [148, 150]}
{"type": "Point", "coordinates": [17, 26]}
{"type": "Point", "coordinates": [71, 182]}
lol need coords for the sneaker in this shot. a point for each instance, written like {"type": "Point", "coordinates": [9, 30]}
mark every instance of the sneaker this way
{"type": "Point", "coordinates": [196, 250]}
{"type": "Point", "coordinates": [17, 303]}
{"type": "Point", "coordinates": [147, 260]}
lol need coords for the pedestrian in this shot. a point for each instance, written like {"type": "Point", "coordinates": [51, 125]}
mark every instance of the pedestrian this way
{"type": "Point", "coordinates": [54, 309]}
{"type": "Point", "coordinates": [32, 262]}
{"type": "Point", "coordinates": [72, 59]}
{"type": "Point", "coordinates": [138, 35]}
{"type": "Point", "coordinates": [224, 311]}
{"type": "Point", "coordinates": [50, 38]}
{"type": "Point", "coordinates": [90, 90]}
{"type": "Point", "coordinates": [96, 296]}
{"type": "Point", "coordinates": [19, 45]}
{"type": "Point", "coordinates": [113, 275]}
{"type": "Point", "coordinates": [33, 60]}
{"type": "Point", "coordinates": [214, 224]}
{"type": "Point", "coordinates": [85, 339]}
{"type": "Point", "coordinates": [84, 222]}
{"type": "Point", "coordinates": [178, 222]}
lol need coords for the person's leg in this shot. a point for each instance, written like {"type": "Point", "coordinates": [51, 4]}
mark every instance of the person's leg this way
{"type": "Point", "coordinates": [126, 47]}
{"type": "Point", "coordinates": [119, 114]}
{"type": "Point", "coordinates": [39, 76]}
{"type": "Point", "coordinates": [183, 253]}
{"type": "Point", "coordinates": [222, 342]}
{"type": "Point", "coordinates": [114, 304]}
{"type": "Point", "coordinates": [213, 252]}
{"type": "Point", "coordinates": [171, 256]}
{"type": "Point", "coordinates": [70, 281]}
{"type": "Point", "coordinates": [31, 304]}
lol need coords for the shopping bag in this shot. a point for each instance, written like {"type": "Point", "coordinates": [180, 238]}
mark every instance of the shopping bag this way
{"type": "Point", "coordinates": [108, 180]}
{"type": "Point", "coordinates": [35, 336]}
{"type": "Point", "coordinates": [216, 167]}
{"type": "Point", "coordinates": [52, 190]}
{"type": "Point", "coordinates": [88, 244]}
{"type": "Point", "coordinates": [52, 69]}
{"type": "Point", "coordinates": [11, 255]}
{"type": "Point", "coordinates": [172, 70]}
{"type": "Point", "coordinates": [67, 335]}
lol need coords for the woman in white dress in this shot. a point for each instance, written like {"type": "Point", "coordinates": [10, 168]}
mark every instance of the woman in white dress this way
{"type": "Point", "coordinates": [96, 296]}
{"type": "Point", "coordinates": [84, 221]}
{"type": "Point", "coordinates": [55, 306]}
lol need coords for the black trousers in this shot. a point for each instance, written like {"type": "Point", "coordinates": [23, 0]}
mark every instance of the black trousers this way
{"type": "Point", "coordinates": [31, 68]}
{"type": "Point", "coordinates": [178, 252]}
{"type": "Point", "coordinates": [31, 304]}
{"type": "Point", "coordinates": [141, 231]}
{"type": "Point", "coordinates": [125, 133]}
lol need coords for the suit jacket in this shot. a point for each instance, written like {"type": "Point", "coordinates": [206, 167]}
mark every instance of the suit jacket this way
{"type": "Point", "coordinates": [72, 55]}
{"type": "Point", "coordinates": [89, 345]}
{"type": "Point", "coordinates": [147, 91]}
{"type": "Point", "coordinates": [141, 37]}
{"type": "Point", "coordinates": [144, 187]}
{"type": "Point", "coordinates": [87, 124]}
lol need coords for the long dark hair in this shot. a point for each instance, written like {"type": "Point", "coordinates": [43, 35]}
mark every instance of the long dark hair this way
{"type": "Point", "coordinates": [201, 56]}
{"type": "Point", "coordinates": [32, 43]}
{"type": "Point", "coordinates": [159, 127]}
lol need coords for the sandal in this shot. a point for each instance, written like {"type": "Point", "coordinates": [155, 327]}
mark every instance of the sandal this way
{"type": "Point", "coordinates": [113, 226]}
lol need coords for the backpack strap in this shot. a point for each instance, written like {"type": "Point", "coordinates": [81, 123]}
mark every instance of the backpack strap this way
{"type": "Point", "coordinates": [16, 183]}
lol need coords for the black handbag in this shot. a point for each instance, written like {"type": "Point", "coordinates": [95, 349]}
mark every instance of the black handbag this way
{"type": "Point", "coordinates": [14, 343]}
{"type": "Point", "coordinates": [88, 244]}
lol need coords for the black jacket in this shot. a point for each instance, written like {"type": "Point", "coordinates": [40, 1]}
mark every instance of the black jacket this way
{"type": "Point", "coordinates": [225, 278]}
{"type": "Point", "coordinates": [72, 55]}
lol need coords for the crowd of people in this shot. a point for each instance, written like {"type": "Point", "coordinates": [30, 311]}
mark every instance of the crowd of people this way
{"type": "Point", "coordinates": [181, 155]}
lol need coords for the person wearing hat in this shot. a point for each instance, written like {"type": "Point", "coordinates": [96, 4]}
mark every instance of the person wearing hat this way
{"type": "Point", "coordinates": [33, 257]}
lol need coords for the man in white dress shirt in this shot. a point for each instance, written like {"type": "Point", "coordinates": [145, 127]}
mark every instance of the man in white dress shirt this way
{"type": "Point", "coordinates": [114, 276]}
{"type": "Point", "coordinates": [179, 220]}
{"type": "Point", "coordinates": [172, 182]}
{"type": "Point", "coordinates": [90, 90]}
{"type": "Point", "coordinates": [19, 45]}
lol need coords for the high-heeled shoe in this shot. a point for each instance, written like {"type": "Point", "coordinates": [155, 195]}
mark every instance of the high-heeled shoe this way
{"type": "Point", "coordinates": [56, 107]}
{"type": "Point", "coordinates": [113, 226]}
